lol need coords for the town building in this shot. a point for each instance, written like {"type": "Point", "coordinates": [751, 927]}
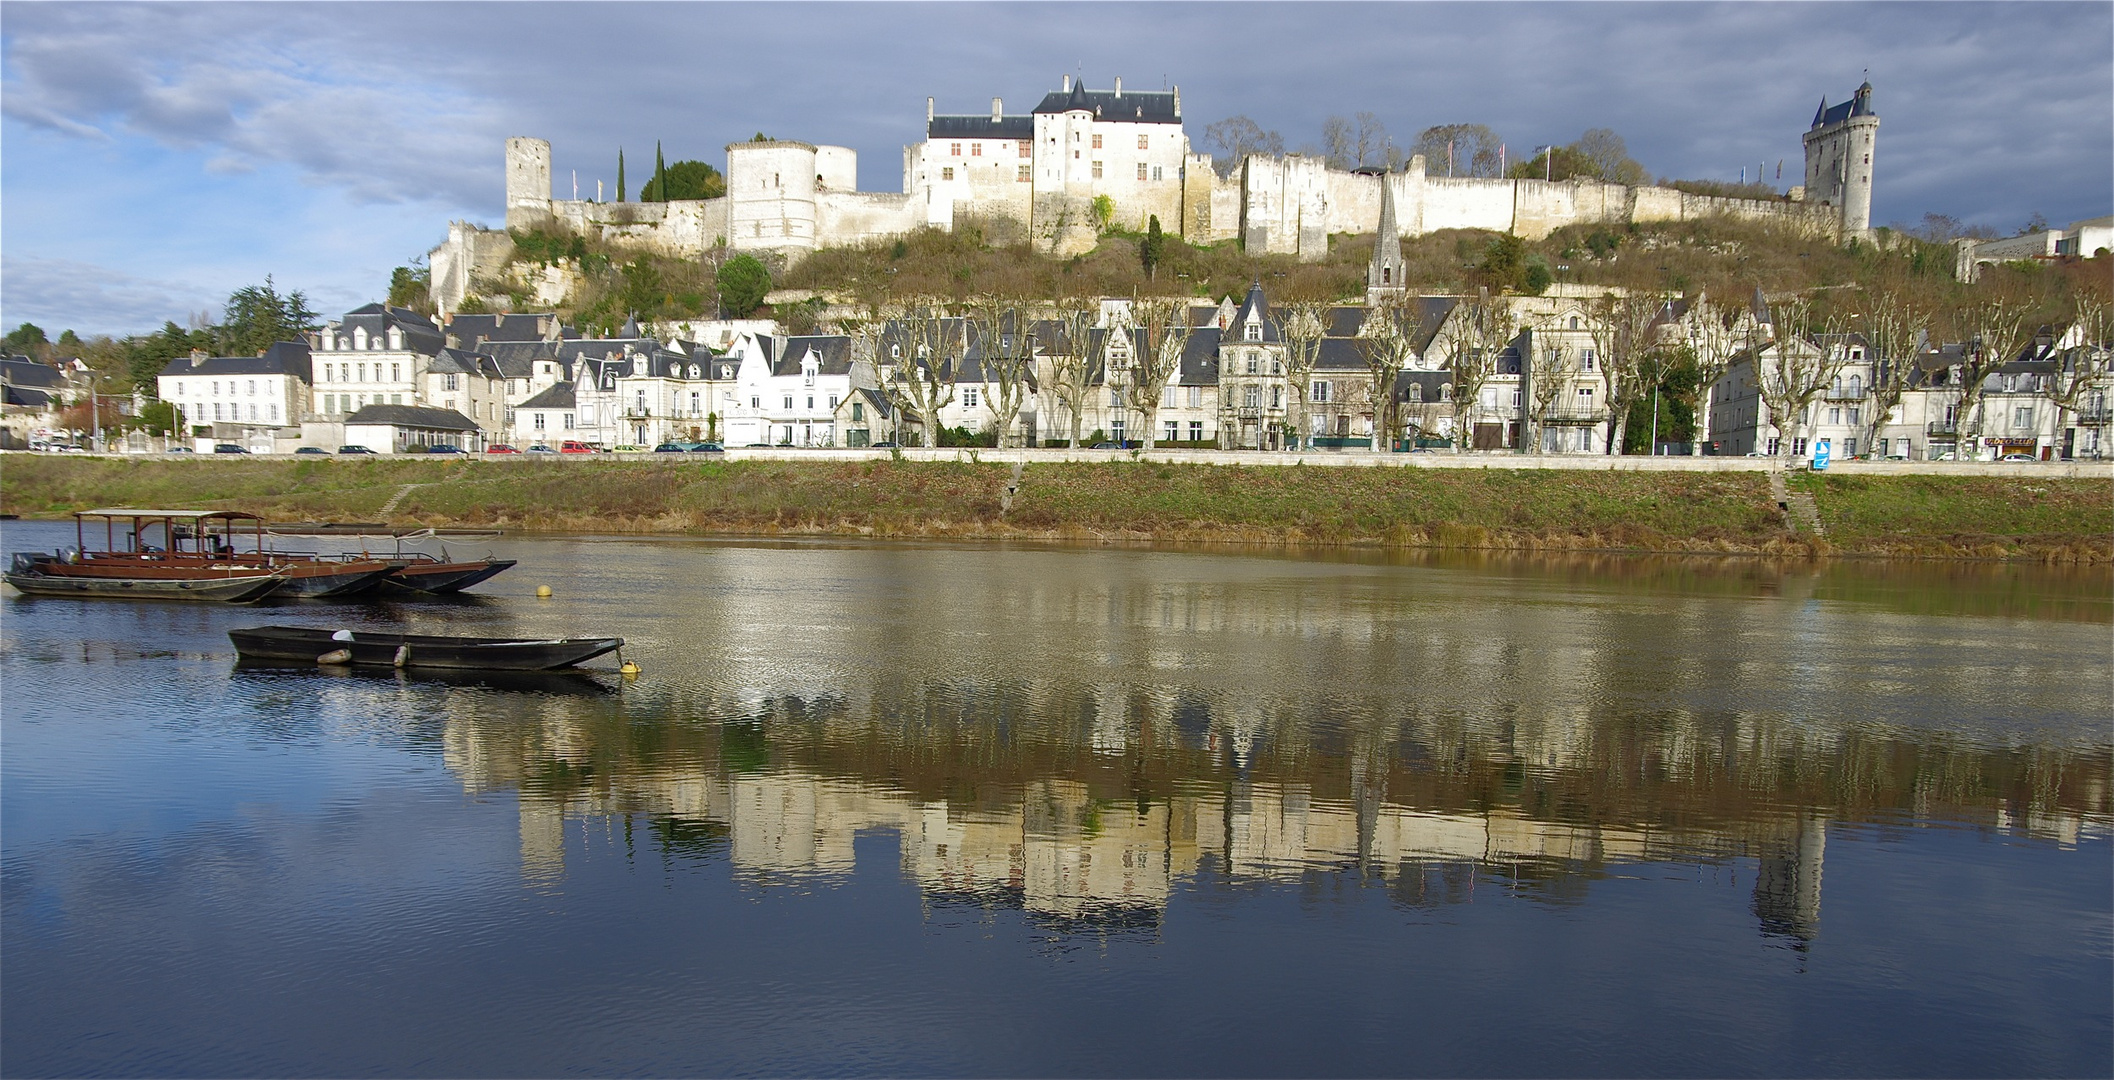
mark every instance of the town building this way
{"type": "Point", "coordinates": [257, 402]}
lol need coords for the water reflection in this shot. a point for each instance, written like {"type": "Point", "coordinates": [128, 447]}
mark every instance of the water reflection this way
{"type": "Point", "coordinates": [1090, 806]}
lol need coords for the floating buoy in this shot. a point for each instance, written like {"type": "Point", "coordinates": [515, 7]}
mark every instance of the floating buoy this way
{"type": "Point", "coordinates": [335, 656]}
{"type": "Point", "coordinates": [403, 655]}
{"type": "Point", "coordinates": [630, 669]}
{"type": "Point", "coordinates": [543, 591]}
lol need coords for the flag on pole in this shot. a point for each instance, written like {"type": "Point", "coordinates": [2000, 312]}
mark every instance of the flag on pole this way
{"type": "Point", "coordinates": [1449, 157]}
{"type": "Point", "coordinates": [1501, 159]}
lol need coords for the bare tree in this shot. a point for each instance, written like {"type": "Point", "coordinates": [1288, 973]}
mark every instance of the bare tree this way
{"type": "Point", "coordinates": [1371, 140]}
{"type": "Point", "coordinates": [1387, 341]}
{"type": "Point", "coordinates": [1337, 142]}
{"type": "Point", "coordinates": [1791, 371]}
{"type": "Point", "coordinates": [1301, 325]}
{"type": "Point", "coordinates": [1460, 150]}
{"type": "Point", "coordinates": [1623, 329]}
{"type": "Point", "coordinates": [1239, 137]}
{"type": "Point", "coordinates": [1472, 336]}
{"type": "Point", "coordinates": [1610, 156]}
{"type": "Point", "coordinates": [1713, 332]}
{"type": "Point", "coordinates": [1995, 327]}
{"type": "Point", "coordinates": [1161, 334]}
{"type": "Point", "coordinates": [1070, 358]}
{"type": "Point", "coordinates": [924, 351]}
{"type": "Point", "coordinates": [1005, 360]}
{"type": "Point", "coordinates": [1888, 323]}
{"type": "Point", "coordinates": [1549, 379]}
{"type": "Point", "coordinates": [2086, 365]}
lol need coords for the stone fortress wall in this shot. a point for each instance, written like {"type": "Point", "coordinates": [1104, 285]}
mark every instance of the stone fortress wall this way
{"type": "Point", "coordinates": [788, 198]}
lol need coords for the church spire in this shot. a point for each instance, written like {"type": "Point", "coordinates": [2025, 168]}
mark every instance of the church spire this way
{"type": "Point", "coordinates": [1383, 278]}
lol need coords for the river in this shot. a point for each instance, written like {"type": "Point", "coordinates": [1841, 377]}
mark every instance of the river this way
{"type": "Point", "coordinates": [933, 809]}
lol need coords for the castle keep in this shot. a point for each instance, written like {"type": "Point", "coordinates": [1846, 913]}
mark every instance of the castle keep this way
{"type": "Point", "coordinates": [1038, 175]}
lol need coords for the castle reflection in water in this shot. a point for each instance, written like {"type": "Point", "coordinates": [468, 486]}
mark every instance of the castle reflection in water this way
{"type": "Point", "coordinates": [1089, 807]}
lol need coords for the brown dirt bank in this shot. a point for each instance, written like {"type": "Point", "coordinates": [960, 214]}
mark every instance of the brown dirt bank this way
{"type": "Point", "coordinates": [2056, 520]}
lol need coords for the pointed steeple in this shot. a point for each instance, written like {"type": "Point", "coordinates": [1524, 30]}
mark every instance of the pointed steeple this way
{"type": "Point", "coordinates": [1820, 112]}
{"type": "Point", "coordinates": [1383, 277]}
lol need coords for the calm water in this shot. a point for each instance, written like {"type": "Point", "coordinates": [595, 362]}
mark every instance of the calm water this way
{"type": "Point", "coordinates": [921, 809]}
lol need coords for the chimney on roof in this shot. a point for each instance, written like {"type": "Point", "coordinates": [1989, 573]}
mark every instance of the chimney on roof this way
{"type": "Point", "coordinates": [998, 110]}
{"type": "Point", "coordinates": [928, 110]}
{"type": "Point", "coordinates": [1119, 86]}
{"type": "Point", "coordinates": [1178, 101]}
{"type": "Point", "coordinates": [198, 357]}
{"type": "Point", "coordinates": [1067, 84]}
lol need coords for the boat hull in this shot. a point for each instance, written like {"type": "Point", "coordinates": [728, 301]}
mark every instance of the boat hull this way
{"type": "Point", "coordinates": [366, 648]}
{"type": "Point", "coordinates": [230, 589]}
{"type": "Point", "coordinates": [440, 577]}
{"type": "Point", "coordinates": [325, 580]}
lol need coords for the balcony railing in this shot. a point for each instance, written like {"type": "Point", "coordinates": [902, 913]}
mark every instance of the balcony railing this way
{"type": "Point", "coordinates": [1575, 415]}
{"type": "Point", "coordinates": [1942, 429]}
{"type": "Point", "coordinates": [1846, 395]}
{"type": "Point", "coordinates": [2096, 415]}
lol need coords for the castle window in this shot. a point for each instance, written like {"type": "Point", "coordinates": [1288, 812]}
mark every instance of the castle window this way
{"type": "Point", "coordinates": [1023, 174]}
{"type": "Point", "coordinates": [947, 173]}
{"type": "Point", "coordinates": [1027, 147]}
{"type": "Point", "coordinates": [1097, 142]}
{"type": "Point", "coordinates": [1141, 170]}
{"type": "Point", "coordinates": [1141, 142]}
{"type": "Point", "coordinates": [955, 149]}
{"type": "Point", "coordinates": [1156, 172]}
{"type": "Point", "coordinates": [976, 149]}
{"type": "Point", "coordinates": [1097, 170]}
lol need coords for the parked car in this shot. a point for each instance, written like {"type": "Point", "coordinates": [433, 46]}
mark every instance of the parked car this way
{"type": "Point", "coordinates": [2016, 457]}
{"type": "Point", "coordinates": [627, 448]}
{"type": "Point", "coordinates": [671, 448]}
{"type": "Point", "coordinates": [230, 448]}
{"type": "Point", "coordinates": [884, 444]}
{"type": "Point", "coordinates": [706, 448]}
{"type": "Point", "coordinates": [444, 448]}
{"type": "Point", "coordinates": [500, 448]}
{"type": "Point", "coordinates": [310, 450]}
{"type": "Point", "coordinates": [575, 446]}
{"type": "Point", "coordinates": [539, 448]}
{"type": "Point", "coordinates": [180, 450]}
{"type": "Point", "coordinates": [350, 449]}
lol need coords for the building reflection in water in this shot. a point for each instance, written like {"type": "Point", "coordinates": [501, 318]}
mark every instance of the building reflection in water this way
{"type": "Point", "coordinates": [1099, 831]}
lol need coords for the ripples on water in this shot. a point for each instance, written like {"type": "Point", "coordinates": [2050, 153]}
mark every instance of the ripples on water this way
{"type": "Point", "coordinates": [932, 809]}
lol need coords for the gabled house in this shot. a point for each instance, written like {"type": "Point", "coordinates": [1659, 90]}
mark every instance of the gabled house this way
{"type": "Point", "coordinates": [241, 399]}
{"type": "Point", "coordinates": [374, 355]}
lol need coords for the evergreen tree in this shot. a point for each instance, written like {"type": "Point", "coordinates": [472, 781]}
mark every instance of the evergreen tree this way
{"type": "Point", "coordinates": [1149, 251]}
{"type": "Point", "coordinates": [620, 174]}
{"type": "Point", "coordinates": [658, 186]}
{"type": "Point", "coordinates": [743, 282]}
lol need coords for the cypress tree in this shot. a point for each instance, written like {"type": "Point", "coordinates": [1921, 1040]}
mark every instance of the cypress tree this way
{"type": "Point", "coordinates": [620, 174]}
{"type": "Point", "coordinates": [660, 175]}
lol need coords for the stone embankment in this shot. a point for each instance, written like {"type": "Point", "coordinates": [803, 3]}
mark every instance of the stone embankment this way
{"type": "Point", "coordinates": [2061, 512]}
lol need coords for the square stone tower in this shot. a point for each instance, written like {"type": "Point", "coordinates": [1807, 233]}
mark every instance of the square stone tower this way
{"type": "Point", "coordinates": [528, 182]}
{"type": "Point", "coordinates": [1839, 149]}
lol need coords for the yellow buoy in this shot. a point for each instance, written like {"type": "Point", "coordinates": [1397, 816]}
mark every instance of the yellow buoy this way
{"type": "Point", "coordinates": [629, 668]}
{"type": "Point", "coordinates": [543, 591]}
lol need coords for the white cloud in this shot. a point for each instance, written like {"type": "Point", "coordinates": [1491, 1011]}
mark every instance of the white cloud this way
{"type": "Point", "coordinates": [61, 294]}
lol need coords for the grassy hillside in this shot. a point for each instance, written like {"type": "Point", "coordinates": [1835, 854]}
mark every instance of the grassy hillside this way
{"type": "Point", "coordinates": [1495, 509]}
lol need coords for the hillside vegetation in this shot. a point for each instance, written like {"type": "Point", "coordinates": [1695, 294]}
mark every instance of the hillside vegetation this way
{"type": "Point", "coordinates": [1495, 509]}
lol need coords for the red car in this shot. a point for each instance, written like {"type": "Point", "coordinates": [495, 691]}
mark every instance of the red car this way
{"type": "Point", "coordinates": [500, 448]}
{"type": "Point", "coordinates": [575, 446]}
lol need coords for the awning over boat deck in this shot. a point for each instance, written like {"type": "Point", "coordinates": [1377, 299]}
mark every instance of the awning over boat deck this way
{"type": "Point", "coordinates": [181, 515]}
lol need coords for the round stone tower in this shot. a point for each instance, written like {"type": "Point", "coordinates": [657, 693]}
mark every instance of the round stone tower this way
{"type": "Point", "coordinates": [528, 182]}
{"type": "Point", "coordinates": [771, 195]}
{"type": "Point", "coordinates": [1839, 149]}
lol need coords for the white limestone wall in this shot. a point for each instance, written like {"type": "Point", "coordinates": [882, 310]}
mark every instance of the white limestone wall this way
{"type": "Point", "coordinates": [528, 180]}
{"type": "Point", "coordinates": [771, 196]}
{"type": "Point", "coordinates": [843, 218]}
{"type": "Point", "coordinates": [1285, 206]}
{"type": "Point", "coordinates": [837, 168]}
{"type": "Point", "coordinates": [1457, 203]}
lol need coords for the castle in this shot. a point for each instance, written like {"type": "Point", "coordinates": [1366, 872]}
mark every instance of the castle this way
{"type": "Point", "coordinates": [1040, 174]}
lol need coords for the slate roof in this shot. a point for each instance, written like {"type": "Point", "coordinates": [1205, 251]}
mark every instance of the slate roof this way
{"type": "Point", "coordinates": [1200, 357]}
{"type": "Point", "coordinates": [466, 363]}
{"type": "Point", "coordinates": [980, 127]}
{"type": "Point", "coordinates": [470, 331]}
{"type": "Point", "coordinates": [1254, 306]}
{"type": "Point", "coordinates": [1860, 104]}
{"type": "Point", "coordinates": [1134, 106]}
{"type": "Point", "coordinates": [420, 335]}
{"type": "Point", "coordinates": [559, 396]}
{"type": "Point", "coordinates": [833, 350]}
{"type": "Point", "coordinates": [283, 358]}
{"type": "Point", "coordinates": [517, 359]}
{"type": "Point", "coordinates": [877, 399]}
{"type": "Point", "coordinates": [1427, 381]}
{"type": "Point", "coordinates": [413, 416]}
{"type": "Point", "coordinates": [21, 371]}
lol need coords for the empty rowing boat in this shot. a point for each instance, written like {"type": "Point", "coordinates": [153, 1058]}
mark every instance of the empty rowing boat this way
{"type": "Point", "coordinates": [308, 645]}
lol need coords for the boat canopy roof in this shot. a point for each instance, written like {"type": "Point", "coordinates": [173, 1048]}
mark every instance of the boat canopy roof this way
{"type": "Point", "coordinates": [180, 515]}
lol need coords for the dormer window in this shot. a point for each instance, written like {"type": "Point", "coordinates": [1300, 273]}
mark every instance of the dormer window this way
{"type": "Point", "coordinates": [1254, 331]}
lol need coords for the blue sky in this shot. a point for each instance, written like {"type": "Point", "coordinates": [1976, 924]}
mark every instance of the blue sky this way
{"type": "Point", "coordinates": [158, 156]}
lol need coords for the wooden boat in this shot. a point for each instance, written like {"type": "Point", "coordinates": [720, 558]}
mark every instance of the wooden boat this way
{"type": "Point", "coordinates": [52, 578]}
{"type": "Point", "coordinates": [430, 575]}
{"type": "Point", "coordinates": [370, 648]}
{"type": "Point", "coordinates": [200, 545]}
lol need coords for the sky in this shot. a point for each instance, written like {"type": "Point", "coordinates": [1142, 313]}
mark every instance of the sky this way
{"type": "Point", "coordinates": [156, 157]}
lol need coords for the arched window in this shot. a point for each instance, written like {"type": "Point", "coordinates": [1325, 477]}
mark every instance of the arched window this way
{"type": "Point", "coordinates": [1856, 386]}
{"type": "Point", "coordinates": [1387, 275]}
{"type": "Point", "coordinates": [1445, 391]}
{"type": "Point", "coordinates": [1416, 393]}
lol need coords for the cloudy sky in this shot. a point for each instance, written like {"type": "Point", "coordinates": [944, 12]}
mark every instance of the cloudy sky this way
{"type": "Point", "coordinates": [158, 156]}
